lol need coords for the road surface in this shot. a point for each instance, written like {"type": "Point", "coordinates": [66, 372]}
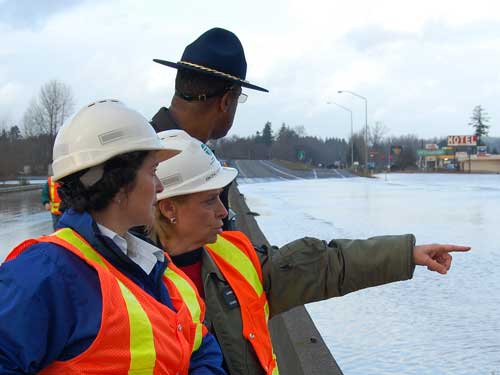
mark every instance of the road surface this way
{"type": "Point", "coordinates": [265, 170]}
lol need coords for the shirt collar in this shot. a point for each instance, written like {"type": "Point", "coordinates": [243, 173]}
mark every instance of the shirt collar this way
{"type": "Point", "coordinates": [116, 238]}
{"type": "Point", "coordinates": [140, 252]}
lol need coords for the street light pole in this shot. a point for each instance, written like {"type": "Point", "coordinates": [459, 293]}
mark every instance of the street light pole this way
{"type": "Point", "coordinates": [352, 140]}
{"type": "Point", "coordinates": [366, 122]}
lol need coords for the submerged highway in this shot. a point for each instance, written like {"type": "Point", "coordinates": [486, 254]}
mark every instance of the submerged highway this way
{"type": "Point", "coordinates": [261, 170]}
{"type": "Point", "coordinates": [22, 215]}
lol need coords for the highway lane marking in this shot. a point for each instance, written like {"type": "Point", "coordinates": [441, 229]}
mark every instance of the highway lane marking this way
{"type": "Point", "coordinates": [340, 174]}
{"type": "Point", "coordinates": [267, 164]}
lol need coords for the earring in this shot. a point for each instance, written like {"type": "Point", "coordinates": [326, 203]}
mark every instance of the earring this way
{"type": "Point", "coordinates": [173, 220]}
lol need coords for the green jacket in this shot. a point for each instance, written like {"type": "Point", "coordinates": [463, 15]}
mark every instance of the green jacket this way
{"type": "Point", "coordinates": [303, 271]}
{"type": "Point", "coordinates": [45, 198]}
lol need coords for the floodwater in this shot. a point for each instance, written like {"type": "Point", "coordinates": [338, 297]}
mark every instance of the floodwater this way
{"type": "Point", "coordinates": [430, 325]}
{"type": "Point", "coordinates": [22, 216]}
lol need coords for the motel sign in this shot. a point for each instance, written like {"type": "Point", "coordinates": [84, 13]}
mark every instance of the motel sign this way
{"type": "Point", "coordinates": [462, 140]}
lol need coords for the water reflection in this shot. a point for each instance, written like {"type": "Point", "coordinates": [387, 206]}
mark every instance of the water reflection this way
{"type": "Point", "coordinates": [22, 216]}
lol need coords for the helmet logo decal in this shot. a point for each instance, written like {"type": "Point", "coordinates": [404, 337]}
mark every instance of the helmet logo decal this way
{"type": "Point", "coordinates": [111, 136]}
{"type": "Point", "coordinates": [207, 150]}
{"type": "Point", "coordinates": [171, 180]}
{"type": "Point", "coordinates": [213, 174]}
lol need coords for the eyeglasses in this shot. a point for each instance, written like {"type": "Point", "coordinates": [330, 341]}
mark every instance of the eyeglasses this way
{"type": "Point", "coordinates": [242, 98]}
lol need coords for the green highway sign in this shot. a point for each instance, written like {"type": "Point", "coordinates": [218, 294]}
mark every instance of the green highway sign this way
{"type": "Point", "coordinates": [422, 152]}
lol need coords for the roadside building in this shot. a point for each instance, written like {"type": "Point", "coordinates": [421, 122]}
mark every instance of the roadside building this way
{"type": "Point", "coordinates": [432, 159]}
{"type": "Point", "coordinates": [482, 164]}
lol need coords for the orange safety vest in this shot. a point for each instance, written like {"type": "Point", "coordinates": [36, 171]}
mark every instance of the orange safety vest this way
{"type": "Point", "coordinates": [235, 257]}
{"type": "Point", "coordinates": [138, 334]}
{"type": "Point", "coordinates": [55, 200]}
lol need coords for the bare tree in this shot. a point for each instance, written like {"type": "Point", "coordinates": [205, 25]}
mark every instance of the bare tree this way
{"type": "Point", "coordinates": [358, 139]}
{"type": "Point", "coordinates": [300, 130]}
{"type": "Point", "coordinates": [47, 112]}
{"type": "Point", "coordinates": [4, 122]}
{"type": "Point", "coordinates": [376, 134]}
{"type": "Point", "coordinates": [33, 120]}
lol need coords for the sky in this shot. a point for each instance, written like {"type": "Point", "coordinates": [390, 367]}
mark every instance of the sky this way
{"type": "Point", "coordinates": [422, 65]}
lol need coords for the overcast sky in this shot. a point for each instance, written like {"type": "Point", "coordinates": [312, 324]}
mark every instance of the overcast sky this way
{"type": "Point", "coordinates": [422, 65]}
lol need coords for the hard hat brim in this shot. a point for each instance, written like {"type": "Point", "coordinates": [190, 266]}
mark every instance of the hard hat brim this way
{"type": "Point", "coordinates": [225, 176]}
{"type": "Point", "coordinates": [166, 154]}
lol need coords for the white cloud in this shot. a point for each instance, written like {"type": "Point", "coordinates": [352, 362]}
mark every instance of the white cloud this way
{"type": "Point", "coordinates": [422, 65]}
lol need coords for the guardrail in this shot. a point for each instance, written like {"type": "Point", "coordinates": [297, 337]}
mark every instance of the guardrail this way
{"type": "Point", "coordinates": [13, 189]}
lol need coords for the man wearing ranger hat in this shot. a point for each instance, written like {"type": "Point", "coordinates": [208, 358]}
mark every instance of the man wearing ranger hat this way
{"type": "Point", "coordinates": [208, 87]}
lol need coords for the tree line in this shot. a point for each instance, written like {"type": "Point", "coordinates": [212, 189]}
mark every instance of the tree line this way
{"type": "Point", "coordinates": [288, 144]}
{"type": "Point", "coordinates": [292, 144]}
{"type": "Point", "coordinates": [30, 142]}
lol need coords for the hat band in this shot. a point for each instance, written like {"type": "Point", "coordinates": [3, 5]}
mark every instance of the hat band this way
{"type": "Point", "coordinates": [212, 71]}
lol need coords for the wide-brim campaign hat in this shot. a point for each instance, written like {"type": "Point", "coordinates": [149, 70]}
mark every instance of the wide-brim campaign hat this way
{"type": "Point", "coordinates": [217, 52]}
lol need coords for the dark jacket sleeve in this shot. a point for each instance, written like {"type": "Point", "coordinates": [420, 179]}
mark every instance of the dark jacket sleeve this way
{"type": "Point", "coordinates": [308, 269]}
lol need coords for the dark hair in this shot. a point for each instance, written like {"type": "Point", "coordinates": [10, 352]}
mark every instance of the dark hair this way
{"type": "Point", "coordinates": [118, 173]}
{"type": "Point", "coordinates": [193, 83]}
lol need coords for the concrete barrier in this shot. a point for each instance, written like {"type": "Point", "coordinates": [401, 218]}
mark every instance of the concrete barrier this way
{"type": "Point", "coordinates": [14, 188]}
{"type": "Point", "coordinates": [298, 345]}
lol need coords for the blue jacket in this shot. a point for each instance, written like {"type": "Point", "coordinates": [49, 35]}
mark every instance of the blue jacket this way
{"type": "Point", "coordinates": [50, 303]}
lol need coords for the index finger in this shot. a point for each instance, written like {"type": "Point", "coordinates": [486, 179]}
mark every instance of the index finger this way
{"type": "Point", "coordinates": [448, 248]}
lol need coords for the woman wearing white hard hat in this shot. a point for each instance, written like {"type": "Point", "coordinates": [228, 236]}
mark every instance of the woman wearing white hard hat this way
{"type": "Point", "coordinates": [92, 298]}
{"type": "Point", "coordinates": [242, 286]}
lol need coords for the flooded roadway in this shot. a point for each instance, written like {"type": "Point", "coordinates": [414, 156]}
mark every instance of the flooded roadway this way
{"type": "Point", "coordinates": [22, 216]}
{"type": "Point", "coordinates": [432, 325]}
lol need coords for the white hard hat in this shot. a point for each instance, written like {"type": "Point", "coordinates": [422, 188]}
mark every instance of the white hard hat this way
{"type": "Point", "coordinates": [193, 170]}
{"type": "Point", "coordinates": [99, 132]}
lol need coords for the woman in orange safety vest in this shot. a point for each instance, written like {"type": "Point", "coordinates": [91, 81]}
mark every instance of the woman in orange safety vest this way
{"type": "Point", "coordinates": [92, 298]}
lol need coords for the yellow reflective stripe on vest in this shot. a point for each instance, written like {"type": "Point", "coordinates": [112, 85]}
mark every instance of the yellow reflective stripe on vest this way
{"type": "Point", "coordinates": [233, 255]}
{"type": "Point", "coordinates": [54, 206]}
{"type": "Point", "coordinates": [51, 189]}
{"type": "Point", "coordinates": [189, 297]}
{"type": "Point", "coordinates": [275, 369]}
{"type": "Point", "coordinates": [142, 348]}
{"type": "Point", "coordinates": [266, 311]}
